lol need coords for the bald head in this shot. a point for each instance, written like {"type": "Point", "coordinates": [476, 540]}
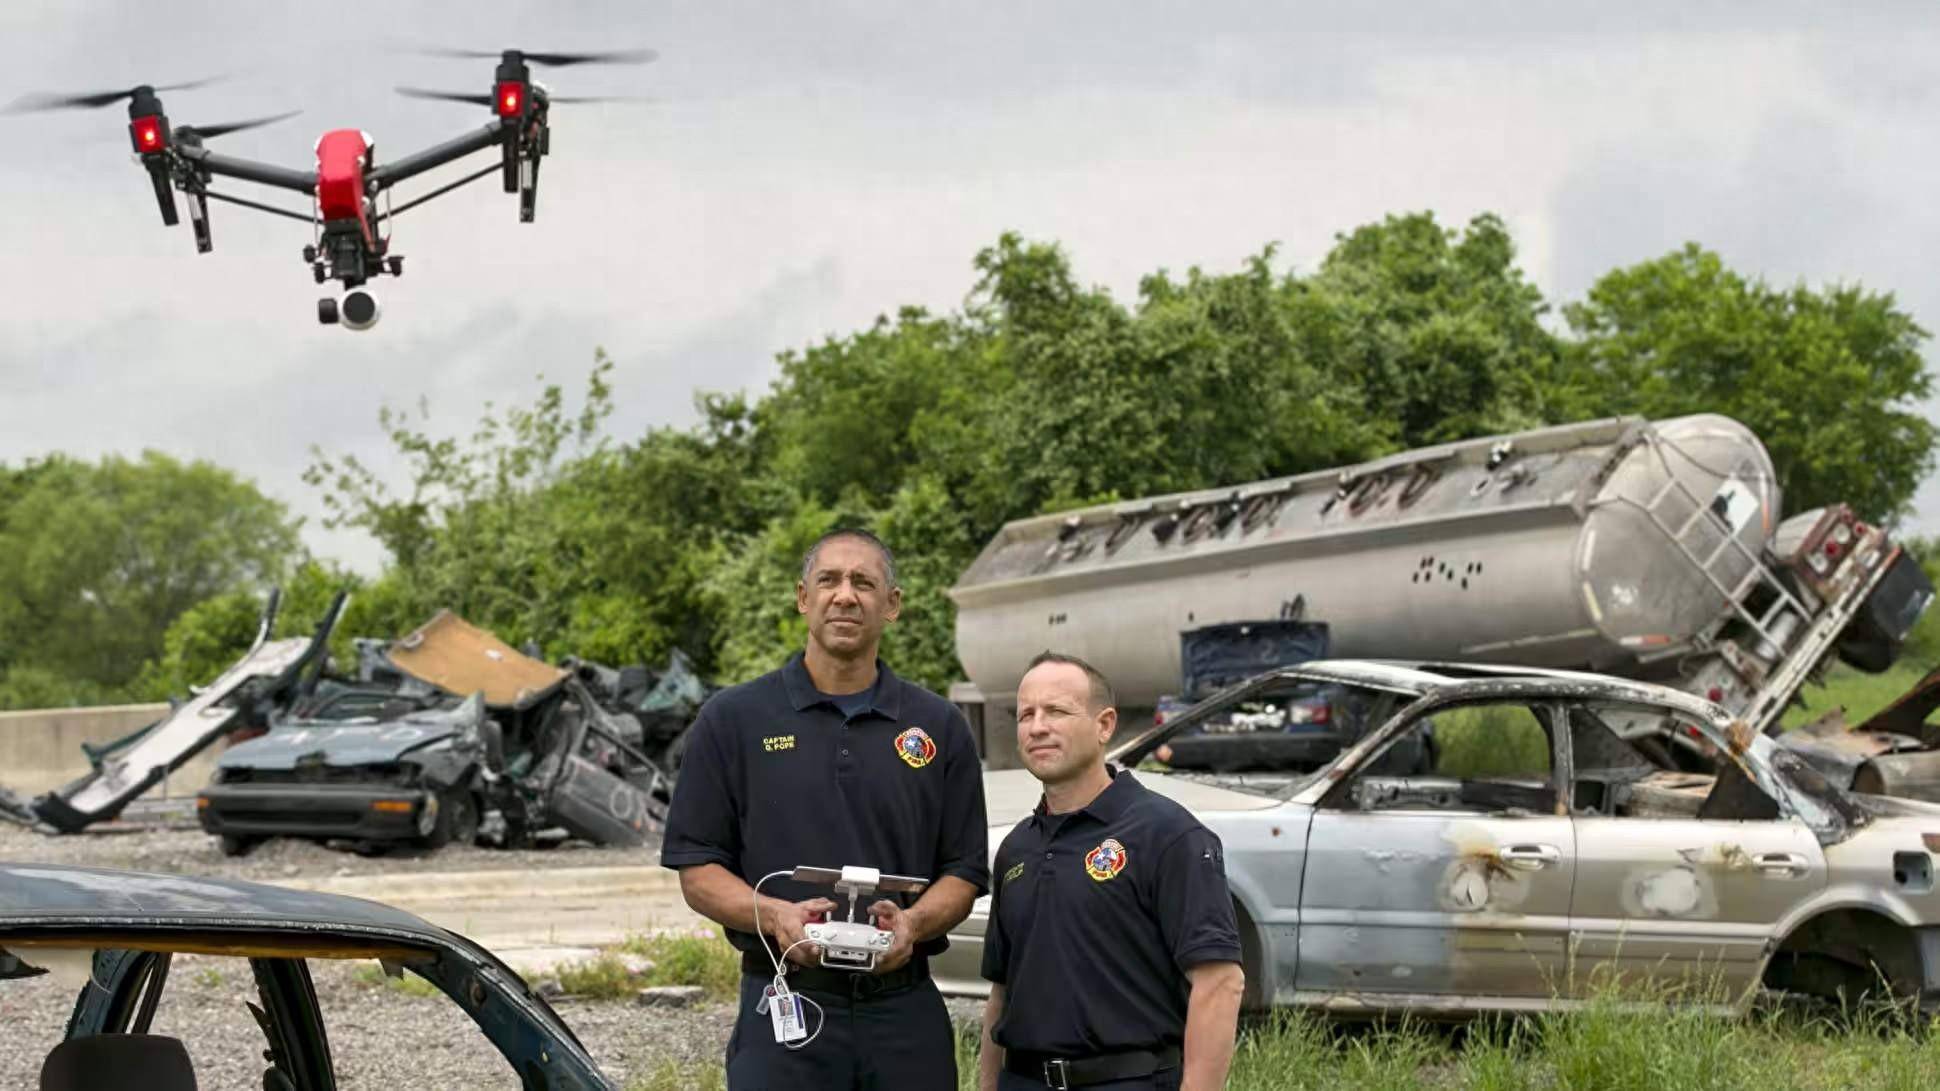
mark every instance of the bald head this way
{"type": "Point", "coordinates": [1100, 695]}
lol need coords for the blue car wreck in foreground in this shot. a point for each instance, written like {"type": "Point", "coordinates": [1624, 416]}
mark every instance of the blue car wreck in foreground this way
{"type": "Point", "coordinates": [131, 925]}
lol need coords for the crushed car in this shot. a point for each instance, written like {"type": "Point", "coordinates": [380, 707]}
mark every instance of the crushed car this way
{"type": "Point", "coordinates": [123, 930]}
{"type": "Point", "coordinates": [468, 739]}
{"type": "Point", "coordinates": [270, 675]}
{"type": "Point", "coordinates": [1894, 752]}
{"type": "Point", "coordinates": [1541, 857]}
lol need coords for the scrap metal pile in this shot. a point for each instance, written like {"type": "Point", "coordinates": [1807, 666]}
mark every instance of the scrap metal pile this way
{"type": "Point", "coordinates": [445, 735]}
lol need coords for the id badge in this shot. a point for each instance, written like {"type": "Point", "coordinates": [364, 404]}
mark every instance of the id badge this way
{"type": "Point", "coordinates": [785, 1011]}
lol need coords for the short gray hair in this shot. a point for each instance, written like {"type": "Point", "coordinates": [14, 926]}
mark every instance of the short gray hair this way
{"type": "Point", "coordinates": [1102, 696]}
{"type": "Point", "coordinates": [858, 534]}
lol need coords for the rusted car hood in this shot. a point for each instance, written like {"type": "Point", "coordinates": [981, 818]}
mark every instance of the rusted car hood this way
{"type": "Point", "coordinates": [1011, 794]}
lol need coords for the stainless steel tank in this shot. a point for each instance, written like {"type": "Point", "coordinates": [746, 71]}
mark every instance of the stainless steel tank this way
{"type": "Point", "coordinates": [1594, 544]}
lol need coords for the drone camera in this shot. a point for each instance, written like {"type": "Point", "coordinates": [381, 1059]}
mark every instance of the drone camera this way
{"type": "Point", "coordinates": [359, 310]}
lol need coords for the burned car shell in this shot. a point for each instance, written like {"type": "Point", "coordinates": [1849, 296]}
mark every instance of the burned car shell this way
{"type": "Point", "coordinates": [125, 916]}
{"type": "Point", "coordinates": [355, 779]}
{"type": "Point", "coordinates": [1453, 912]}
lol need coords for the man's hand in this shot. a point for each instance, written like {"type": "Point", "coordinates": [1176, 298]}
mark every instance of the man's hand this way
{"type": "Point", "coordinates": [785, 921]}
{"type": "Point", "coordinates": [892, 918]}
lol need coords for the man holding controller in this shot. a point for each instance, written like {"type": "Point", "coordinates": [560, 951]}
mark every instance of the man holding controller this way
{"type": "Point", "coordinates": [833, 761]}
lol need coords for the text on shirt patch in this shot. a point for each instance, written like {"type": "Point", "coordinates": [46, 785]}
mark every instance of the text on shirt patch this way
{"type": "Point", "coordinates": [778, 742]}
{"type": "Point", "coordinates": [1105, 861]}
{"type": "Point", "coordinates": [915, 747]}
{"type": "Point", "coordinates": [1015, 870]}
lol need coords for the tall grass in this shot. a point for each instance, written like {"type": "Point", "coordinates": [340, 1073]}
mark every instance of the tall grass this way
{"type": "Point", "coordinates": [1613, 1044]}
{"type": "Point", "coordinates": [1859, 693]}
{"type": "Point", "coordinates": [1482, 741]}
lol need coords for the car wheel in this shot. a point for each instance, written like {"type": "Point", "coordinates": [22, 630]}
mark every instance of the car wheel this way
{"type": "Point", "coordinates": [457, 821]}
{"type": "Point", "coordinates": [233, 845]}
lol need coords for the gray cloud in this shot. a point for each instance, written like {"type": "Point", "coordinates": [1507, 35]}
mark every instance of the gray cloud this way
{"type": "Point", "coordinates": [807, 168]}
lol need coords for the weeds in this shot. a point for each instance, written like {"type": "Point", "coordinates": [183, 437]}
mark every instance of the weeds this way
{"type": "Point", "coordinates": [704, 960]}
{"type": "Point", "coordinates": [674, 1076]}
{"type": "Point", "coordinates": [372, 976]}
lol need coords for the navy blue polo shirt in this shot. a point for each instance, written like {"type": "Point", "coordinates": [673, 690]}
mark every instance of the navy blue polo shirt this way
{"type": "Point", "coordinates": [776, 776]}
{"type": "Point", "coordinates": [1096, 917]}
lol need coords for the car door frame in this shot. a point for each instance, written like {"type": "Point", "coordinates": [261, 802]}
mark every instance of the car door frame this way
{"type": "Point", "coordinates": [1675, 903]}
{"type": "Point", "coordinates": [1428, 900]}
{"type": "Point", "coordinates": [126, 986]}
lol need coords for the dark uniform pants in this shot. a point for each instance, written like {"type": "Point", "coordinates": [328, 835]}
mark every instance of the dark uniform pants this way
{"type": "Point", "coordinates": [1167, 1080]}
{"type": "Point", "coordinates": [869, 1042]}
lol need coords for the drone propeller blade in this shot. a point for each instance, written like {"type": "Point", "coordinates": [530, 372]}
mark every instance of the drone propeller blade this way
{"type": "Point", "coordinates": [206, 131]}
{"type": "Point", "coordinates": [615, 56]}
{"type": "Point", "coordinates": [445, 96]}
{"type": "Point", "coordinates": [555, 60]}
{"type": "Point", "coordinates": [34, 103]}
{"type": "Point", "coordinates": [557, 99]}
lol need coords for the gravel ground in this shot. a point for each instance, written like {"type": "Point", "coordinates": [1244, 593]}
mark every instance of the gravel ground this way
{"type": "Point", "coordinates": [180, 851]}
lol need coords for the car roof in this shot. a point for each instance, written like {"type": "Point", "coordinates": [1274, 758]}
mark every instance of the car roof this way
{"type": "Point", "coordinates": [64, 895]}
{"type": "Point", "coordinates": [1453, 679]}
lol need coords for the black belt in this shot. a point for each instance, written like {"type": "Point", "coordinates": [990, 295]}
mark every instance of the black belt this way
{"type": "Point", "coordinates": [1063, 1072]}
{"type": "Point", "coordinates": [844, 983]}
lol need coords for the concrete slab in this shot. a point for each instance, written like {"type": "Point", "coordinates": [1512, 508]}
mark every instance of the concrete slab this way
{"type": "Point", "coordinates": [543, 916]}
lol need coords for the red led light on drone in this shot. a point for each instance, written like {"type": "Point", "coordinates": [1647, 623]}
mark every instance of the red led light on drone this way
{"type": "Point", "coordinates": [511, 98]}
{"type": "Point", "coordinates": [148, 134]}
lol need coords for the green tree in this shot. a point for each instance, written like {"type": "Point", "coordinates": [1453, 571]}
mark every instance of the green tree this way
{"type": "Point", "coordinates": [479, 530]}
{"type": "Point", "coordinates": [210, 636]}
{"type": "Point", "coordinates": [103, 556]}
{"type": "Point", "coordinates": [1828, 379]}
{"type": "Point", "coordinates": [1439, 330]}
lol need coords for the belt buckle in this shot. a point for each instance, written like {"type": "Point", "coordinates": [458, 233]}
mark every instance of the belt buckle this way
{"type": "Point", "coordinates": [1057, 1074]}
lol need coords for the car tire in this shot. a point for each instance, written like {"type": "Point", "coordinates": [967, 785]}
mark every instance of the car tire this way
{"type": "Point", "coordinates": [457, 819]}
{"type": "Point", "coordinates": [236, 845]}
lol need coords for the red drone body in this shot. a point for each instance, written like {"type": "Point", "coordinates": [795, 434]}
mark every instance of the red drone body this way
{"type": "Point", "coordinates": [345, 185]}
{"type": "Point", "coordinates": [341, 158]}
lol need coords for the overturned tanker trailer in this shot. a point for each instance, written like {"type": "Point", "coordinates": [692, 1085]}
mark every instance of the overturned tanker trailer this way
{"type": "Point", "coordinates": [1652, 550]}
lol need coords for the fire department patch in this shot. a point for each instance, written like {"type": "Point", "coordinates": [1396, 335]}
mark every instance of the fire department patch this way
{"type": "Point", "coordinates": [1105, 861]}
{"type": "Point", "coordinates": [915, 747]}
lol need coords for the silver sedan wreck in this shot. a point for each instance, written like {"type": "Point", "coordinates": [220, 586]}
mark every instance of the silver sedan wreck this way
{"type": "Point", "coordinates": [1541, 856]}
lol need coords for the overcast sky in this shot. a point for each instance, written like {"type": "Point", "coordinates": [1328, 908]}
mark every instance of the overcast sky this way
{"type": "Point", "coordinates": [808, 167]}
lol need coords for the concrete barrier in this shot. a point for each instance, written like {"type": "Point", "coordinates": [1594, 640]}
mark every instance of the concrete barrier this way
{"type": "Point", "coordinates": [41, 748]}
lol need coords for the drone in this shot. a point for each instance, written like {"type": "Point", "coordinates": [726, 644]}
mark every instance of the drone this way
{"type": "Point", "coordinates": [350, 243]}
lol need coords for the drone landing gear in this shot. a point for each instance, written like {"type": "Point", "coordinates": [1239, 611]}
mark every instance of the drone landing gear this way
{"type": "Point", "coordinates": [199, 219]}
{"type": "Point", "coordinates": [327, 311]}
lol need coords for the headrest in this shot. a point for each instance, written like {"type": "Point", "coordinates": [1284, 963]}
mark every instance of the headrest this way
{"type": "Point", "coordinates": [114, 1062]}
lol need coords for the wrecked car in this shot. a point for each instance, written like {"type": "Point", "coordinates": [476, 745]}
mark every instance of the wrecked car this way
{"type": "Point", "coordinates": [1294, 726]}
{"type": "Point", "coordinates": [1895, 752]}
{"type": "Point", "coordinates": [657, 707]}
{"type": "Point", "coordinates": [419, 777]}
{"type": "Point", "coordinates": [115, 935]}
{"type": "Point", "coordinates": [453, 736]}
{"type": "Point", "coordinates": [270, 675]}
{"type": "Point", "coordinates": [1541, 856]}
